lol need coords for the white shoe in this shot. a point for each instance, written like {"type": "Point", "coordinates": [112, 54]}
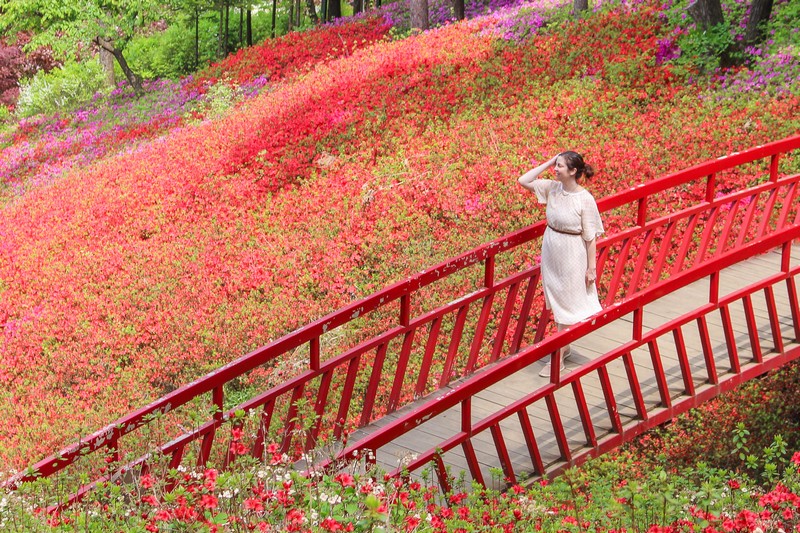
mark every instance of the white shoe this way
{"type": "Point", "coordinates": [545, 371]}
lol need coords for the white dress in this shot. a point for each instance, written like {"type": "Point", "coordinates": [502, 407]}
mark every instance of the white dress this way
{"type": "Point", "coordinates": [573, 221]}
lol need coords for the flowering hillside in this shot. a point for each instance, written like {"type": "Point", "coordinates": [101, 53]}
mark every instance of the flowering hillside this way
{"type": "Point", "coordinates": [126, 274]}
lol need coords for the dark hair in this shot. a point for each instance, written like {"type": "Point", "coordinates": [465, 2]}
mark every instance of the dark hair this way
{"type": "Point", "coordinates": [575, 160]}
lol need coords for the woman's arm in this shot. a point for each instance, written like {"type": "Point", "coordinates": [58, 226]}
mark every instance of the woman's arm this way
{"type": "Point", "coordinates": [527, 179]}
{"type": "Point", "coordinates": [591, 262]}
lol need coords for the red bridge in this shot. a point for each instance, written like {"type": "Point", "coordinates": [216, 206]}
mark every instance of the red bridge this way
{"type": "Point", "coordinates": [441, 368]}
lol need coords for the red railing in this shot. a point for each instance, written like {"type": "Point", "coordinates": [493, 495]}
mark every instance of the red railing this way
{"type": "Point", "coordinates": [367, 360]}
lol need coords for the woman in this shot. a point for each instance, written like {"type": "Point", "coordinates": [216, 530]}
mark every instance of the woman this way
{"type": "Point", "coordinates": [569, 246]}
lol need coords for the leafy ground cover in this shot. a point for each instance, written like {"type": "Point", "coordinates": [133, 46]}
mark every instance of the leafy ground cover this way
{"type": "Point", "coordinates": [133, 263]}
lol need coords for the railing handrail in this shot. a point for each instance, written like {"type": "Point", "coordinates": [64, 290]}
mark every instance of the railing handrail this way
{"type": "Point", "coordinates": [530, 354]}
{"type": "Point", "coordinates": [213, 381]}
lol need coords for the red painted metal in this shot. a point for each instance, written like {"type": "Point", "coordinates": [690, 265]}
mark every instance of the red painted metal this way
{"type": "Point", "coordinates": [647, 244]}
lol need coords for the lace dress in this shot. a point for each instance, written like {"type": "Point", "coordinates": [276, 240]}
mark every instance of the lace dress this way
{"type": "Point", "coordinates": [573, 221]}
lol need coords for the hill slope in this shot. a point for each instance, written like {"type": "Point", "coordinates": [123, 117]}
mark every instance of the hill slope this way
{"type": "Point", "coordinates": [125, 279]}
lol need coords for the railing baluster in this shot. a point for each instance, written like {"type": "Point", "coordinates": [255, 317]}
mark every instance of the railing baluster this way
{"type": "Point", "coordinates": [636, 388]}
{"type": "Point", "coordinates": [683, 360]}
{"type": "Point", "coordinates": [708, 350]}
{"type": "Point", "coordinates": [291, 418]}
{"type": "Point", "coordinates": [441, 472]}
{"type": "Point", "coordinates": [707, 234]}
{"type": "Point", "coordinates": [644, 255]}
{"type": "Point", "coordinates": [502, 453]}
{"type": "Point", "coordinates": [524, 314]}
{"type": "Point", "coordinates": [767, 213]}
{"type": "Point", "coordinates": [472, 461]}
{"type": "Point", "coordinates": [265, 418]}
{"type": "Point", "coordinates": [688, 238]}
{"type": "Point", "coordinates": [530, 441]}
{"type": "Point", "coordinates": [748, 219]}
{"type": "Point", "coordinates": [611, 401]}
{"type": "Point", "coordinates": [658, 267]}
{"type": "Point", "coordinates": [374, 382]}
{"type": "Point", "coordinates": [430, 347]}
{"type": "Point", "coordinates": [752, 329]}
{"type": "Point", "coordinates": [661, 377]}
{"type": "Point", "coordinates": [400, 371]}
{"type": "Point", "coordinates": [455, 342]}
{"type": "Point", "coordinates": [727, 227]}
{"type": "Point", "coordinates": [174, 463]}
{"type": "Point", "coordinates": [711, 187]}
{"type": "Point", "coordinates": [558, 428]}
{"type": "Point", "coordinates": [773, 167]}
{"type": "Point", "coordinates": [488, 272]}
{"type": "Point", "coordinates": [583, 411]}
{"type": "Point", "coordinates": [500, 335]}
{"type": "Point", "coordinates": [730, 339]}
{"type": "Point", "coordinates": [619, 271]}
{"type": "Point", "coordinates": [314, 353]}
{"type": "Point", "coordinates": [788, 204]}
{"type": "Point", "coordinates": [346, 398]}
{"type": "Point", "coordinates": [774, 319]}
{"type": "Point", "coordinates": [319, 409]}
{"type": "Point", "coordinates": [480, 331]}
{"type": "Point", "coordinates": [205, 446]}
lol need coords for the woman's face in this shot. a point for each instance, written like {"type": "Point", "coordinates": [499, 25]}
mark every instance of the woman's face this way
{"type": "Point", "coordinates": [561, 170]}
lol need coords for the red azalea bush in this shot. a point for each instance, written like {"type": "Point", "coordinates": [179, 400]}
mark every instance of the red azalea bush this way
{"type": "Point", "coordinates": [296, 51]}
{"type": "Point", "coordinates": [126, 279]}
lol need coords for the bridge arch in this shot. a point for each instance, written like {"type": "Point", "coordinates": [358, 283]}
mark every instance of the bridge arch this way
{"type": "Point", "coordinates": [379, 368]}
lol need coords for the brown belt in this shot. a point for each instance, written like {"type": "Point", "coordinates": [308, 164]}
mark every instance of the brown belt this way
{"type": "Point", "coordinates": [564, 232]}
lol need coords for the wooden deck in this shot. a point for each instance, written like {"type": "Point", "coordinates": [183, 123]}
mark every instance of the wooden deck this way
{"type": "Point", "coordinates": [435, 431]}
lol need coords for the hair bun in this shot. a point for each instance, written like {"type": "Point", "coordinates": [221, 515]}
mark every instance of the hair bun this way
{"type": "Point", "coordinates": [588, 171]}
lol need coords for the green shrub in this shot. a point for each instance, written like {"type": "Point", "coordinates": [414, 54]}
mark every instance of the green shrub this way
{"type": "Point", "coordinates": [61, 89]}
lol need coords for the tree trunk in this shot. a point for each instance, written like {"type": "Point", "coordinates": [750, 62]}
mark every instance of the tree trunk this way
{"type": "Point", "coordinates": [323, 10]}
{"type": "Point", "coordinates": [241, 26]}
{"type": "Point", "coordinates": [274, 9]}
{"type": "Point", "coordinates": [358, 6]}
{"type": "Point", "coordinates": [579, 6]}
{"type": "Point", "coordinates": [706, 13]}
{"type": "Point", "coordinates": [196, 37]}
{"type": "Point", "coordinates": [291, 16]}
{"type": "Point", "coordinates": [107, 61]}
{"type": "Point", "coordinates": [227, 47]}
{"type": "Point", "coordinates": [221, 32]}
{"type": "Point", "coordinates": [760, 11]}
{"type": "Point", "coordinates": [419, 14]}
{"type": "Point", "coordinates": [249, 27]}
{"type": "Point", "coordinates": [458, 8]}
{"type": "Point", "coordinates": [134, 79]}
{"type": "Point", "coordinates": [334, 9]}
{"type": "Point", "coordinates": [312, 12]}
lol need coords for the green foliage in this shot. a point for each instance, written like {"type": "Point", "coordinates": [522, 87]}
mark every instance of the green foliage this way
{"type": "Point", "coordinates": [68, 25]}
{"type": "Point", "coordinates": [61, 89]}
{"type": "Point", "coordinates": [783, 26]}
{"type": "Point", "coordinates": [702, 50]}
{"type": "Point", "coordinates": [169, 54]}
